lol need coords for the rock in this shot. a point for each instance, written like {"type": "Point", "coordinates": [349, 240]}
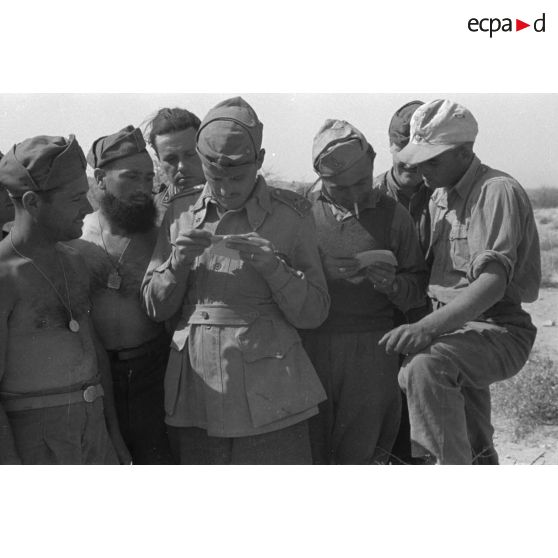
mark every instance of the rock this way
{"type": "Point", "coordinates": [549, 323]}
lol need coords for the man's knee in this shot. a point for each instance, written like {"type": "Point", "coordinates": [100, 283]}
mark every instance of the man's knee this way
{"type": "Point", "coordinates": [422, 372]}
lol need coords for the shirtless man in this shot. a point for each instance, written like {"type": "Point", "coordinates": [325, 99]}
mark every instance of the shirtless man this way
{"type": "Point", "coordinates": [6, 210]}
{"type": "Point", "coordinates": [53, 371]}
{"type": "Point", "coordinates": [172, 135]}
{"type": "Point", "coordinates": [117, 243]}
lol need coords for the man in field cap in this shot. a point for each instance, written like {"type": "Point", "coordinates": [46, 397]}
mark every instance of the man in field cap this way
{"type": "Point", "coordinates": [359, 421]}
{"type": "Point", "coordinates": [404, 184]}
{"type": "Point", "coordinates": [485, 261]}
{"type": "Point", "coordinates": [55, 390]}
{"type": "Point", "coordinates": [117, 243]}
{"type": "Point", "coordinates": [239, 387]}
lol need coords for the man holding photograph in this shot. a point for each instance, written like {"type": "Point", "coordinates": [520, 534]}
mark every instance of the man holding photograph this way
{"type": "Point", "coordinates": [359, 421]}
{"type": "Point", "coordinates": [239, 388]}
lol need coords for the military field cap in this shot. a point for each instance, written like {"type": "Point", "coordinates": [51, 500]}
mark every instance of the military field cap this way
{"type": "Point", "coordinates": [337, 146]}
{"type": "Point", "coordinates": [126, 142]}
{"type": "Point", "coordinates": [40, 164]}
{"type": "Point", "coordinates": [400, 125]}
{"type": "Point", "coordinates": [436, 127]}
{"type": "Point", "coordinates": [230, 136]}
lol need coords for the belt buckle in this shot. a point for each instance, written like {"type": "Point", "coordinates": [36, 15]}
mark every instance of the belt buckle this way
{"type": "Point", "coordinates": [90, 394]}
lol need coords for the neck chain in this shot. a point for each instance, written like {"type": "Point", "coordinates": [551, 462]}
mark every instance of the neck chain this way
{"type": "Point", "coordinates": [73, 324]}
{"type": "Point", "coordinates": [114, 280]}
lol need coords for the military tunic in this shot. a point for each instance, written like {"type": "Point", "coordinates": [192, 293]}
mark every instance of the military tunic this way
{"type": "Point", "coordinates": [237, 366]}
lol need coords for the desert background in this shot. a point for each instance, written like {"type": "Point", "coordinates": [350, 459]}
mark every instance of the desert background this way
{"type": "Point", "coordinates": [517, 133]}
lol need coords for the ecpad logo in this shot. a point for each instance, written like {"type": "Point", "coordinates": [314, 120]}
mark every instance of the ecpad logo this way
{"type": "Point", "coordinates": [492, 25]}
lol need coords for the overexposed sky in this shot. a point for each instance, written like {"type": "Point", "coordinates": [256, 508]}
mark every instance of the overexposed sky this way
{"type": "Point", "coordinates": [517, 132]}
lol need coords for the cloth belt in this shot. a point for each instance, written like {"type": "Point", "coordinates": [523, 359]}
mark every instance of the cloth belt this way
{"type": "Point", "coordinates": [142, 351]}
{"type": "Point", "coordinates": [76, 393]}
{"type": "Point", "coordinates": [210, 314]}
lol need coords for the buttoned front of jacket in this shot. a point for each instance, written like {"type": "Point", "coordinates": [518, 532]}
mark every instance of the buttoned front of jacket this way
{"type": "Point", "coordinates": [241, 370]}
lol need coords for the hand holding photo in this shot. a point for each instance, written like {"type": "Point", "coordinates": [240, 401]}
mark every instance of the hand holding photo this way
{"type": "Point", "coordinates": [371, 257]}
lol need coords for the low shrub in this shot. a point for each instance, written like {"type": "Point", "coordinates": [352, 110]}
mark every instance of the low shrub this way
{"type": "Point", "coordinates": [531, 397]}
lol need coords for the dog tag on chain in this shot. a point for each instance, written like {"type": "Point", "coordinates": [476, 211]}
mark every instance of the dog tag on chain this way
{"type": "Point", "coordinates": [114, 280]}
{"type": "Point", "coordinates": [74, 325]}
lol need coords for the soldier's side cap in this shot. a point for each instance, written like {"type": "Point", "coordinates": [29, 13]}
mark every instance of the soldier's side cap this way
{"type": "Point", "coordinates": [125, 142]}
{"type": "Point", "coordinates": [230, 135]}
{"type": "Point", "coordinates": [437, 127]}
{"type": "Point", "coordinates": [399, 130]}
{"type": "Point", "coordinates": [337, 146]}
{"type": "Point", "coordinates": [41, 163]}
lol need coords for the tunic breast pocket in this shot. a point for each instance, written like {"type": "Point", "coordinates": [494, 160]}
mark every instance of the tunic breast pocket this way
{"type": "Point", "coordinates": [459, 247]}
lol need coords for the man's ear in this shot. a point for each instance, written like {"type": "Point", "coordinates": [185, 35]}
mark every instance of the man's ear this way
{"type": "Point", "coordinates": [260, 159]}
{"type": "Point", "coordinates": [31, 202]}
{"type": "Point", "coordinates": [99, 175]}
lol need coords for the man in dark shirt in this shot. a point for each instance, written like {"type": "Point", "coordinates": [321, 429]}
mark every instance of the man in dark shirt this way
{"type": "Point", "coordinates": [359, 421]}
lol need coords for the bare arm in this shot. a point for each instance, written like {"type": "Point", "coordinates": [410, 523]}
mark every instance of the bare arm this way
{"type": "Point", "coordinates": [8, 450]}
{"type": "Point", "coordinates": [475, 299]}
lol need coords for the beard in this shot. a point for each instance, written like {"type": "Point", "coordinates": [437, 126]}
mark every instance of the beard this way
{"type": "Point", "coordinates": [135, 215]}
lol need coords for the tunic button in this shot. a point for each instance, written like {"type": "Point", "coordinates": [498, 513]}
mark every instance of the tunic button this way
{"type": "Point", "coordinates": [217, 267]}
{"type": "Point", "coordinates": [205, 315]}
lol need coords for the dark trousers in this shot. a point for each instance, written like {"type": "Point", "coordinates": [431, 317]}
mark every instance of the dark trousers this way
{"type": "Point", "coordinates": [288, 446]}
{"type": "Point", "coordinates": [138, 396]}
{"type": "Point", "coordinates": [359, 420]}
{"type": "Point", "coordinates": [73, 434]}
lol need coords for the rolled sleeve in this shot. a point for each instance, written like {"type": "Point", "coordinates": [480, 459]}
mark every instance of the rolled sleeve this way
{"type": "Point", "coordinates": [480, 262]}
{"type": "Point", "coordinates": [495, 230]}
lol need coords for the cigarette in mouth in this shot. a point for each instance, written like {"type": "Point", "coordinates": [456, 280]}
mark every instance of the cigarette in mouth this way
{"type": "Point", "coordinates": [355, 205]}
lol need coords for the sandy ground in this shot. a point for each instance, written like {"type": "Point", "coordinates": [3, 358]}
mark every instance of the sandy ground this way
{"type": "Point", "coordinates": [541, 446]}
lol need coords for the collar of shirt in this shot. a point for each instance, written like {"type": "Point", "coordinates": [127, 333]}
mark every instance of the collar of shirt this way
{"type": "Point", "coordinates": [257, 207]}
{"type": "Point", "coordinates": [341, 213]}
{"type": "Point", "coordinates": [461, 189]}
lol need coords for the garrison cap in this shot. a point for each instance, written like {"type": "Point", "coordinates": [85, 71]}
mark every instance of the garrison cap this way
{"type": "Point", "coordinates": [126, 142]}
{"type": "Point", "coordinates": [230, 135]}
{"type": "Point", "coordinates": [337, 146]}
{"type": "Point", "coordinates": [437, 127]}
{"type": "Point", "coordinates": [400, 125]}
{"type": "Point", "coordinates": [40, 164]}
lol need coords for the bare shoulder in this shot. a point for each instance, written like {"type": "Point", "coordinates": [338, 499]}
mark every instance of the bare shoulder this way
{"type": "Point", "coordinates": [9, 269]}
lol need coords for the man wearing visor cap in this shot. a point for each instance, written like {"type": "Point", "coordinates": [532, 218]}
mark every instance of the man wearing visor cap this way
{"type": "Point", "coordinates": [117, 243]}
{"type": "Point", "coordinates": [56, 402]}
{"type": "Point", "coordinates": [238, 270]}
{"type": "Point", "coordinates": [485, 261]}
{"type": "Point", "coordinates": [359, 421]}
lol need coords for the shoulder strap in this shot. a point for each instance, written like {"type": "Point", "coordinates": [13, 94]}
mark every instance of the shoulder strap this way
{"type": "Point", "coordinates": [295, 201]}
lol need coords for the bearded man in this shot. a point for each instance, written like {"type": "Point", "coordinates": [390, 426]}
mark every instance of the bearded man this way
{"type": "Point", "coordinates": [117, 242]}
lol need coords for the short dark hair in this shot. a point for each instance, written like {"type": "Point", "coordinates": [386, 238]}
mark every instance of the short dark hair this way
{"type": "Point", "coordinates": [168, 120]}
